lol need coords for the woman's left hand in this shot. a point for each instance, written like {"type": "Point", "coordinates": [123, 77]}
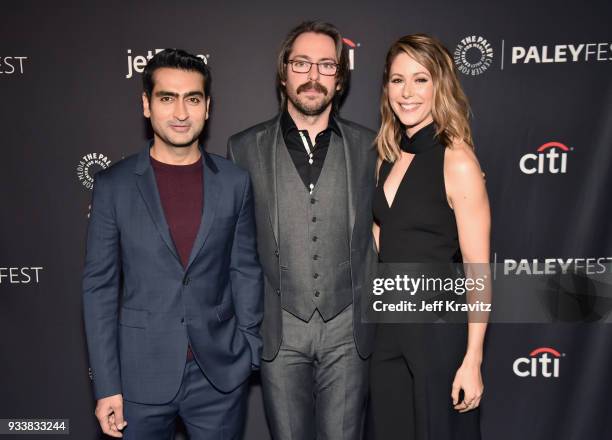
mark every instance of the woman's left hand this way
{"type": "Point", "coordinates": [469, 379]}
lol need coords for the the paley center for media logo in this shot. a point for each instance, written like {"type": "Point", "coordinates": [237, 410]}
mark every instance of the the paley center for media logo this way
{"type": "Point", "coordinates": [89, 165]}
{"type": "Point", "coordinates": [473, 55]}
{"type": "Point", "coordinates": [541, 362]}
{"type": "Point", "coordinates": [137, 62]}
{"type": "Point", "coordinates": [549, 158]}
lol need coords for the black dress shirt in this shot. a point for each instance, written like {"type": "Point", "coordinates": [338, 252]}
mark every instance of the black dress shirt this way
{"type": "Point", "coordinates": [308, 166]}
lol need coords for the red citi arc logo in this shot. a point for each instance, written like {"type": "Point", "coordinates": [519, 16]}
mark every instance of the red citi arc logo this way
{"type": "Point", "coordinates": [351, 51]}
{"type": "Point", "coordinates": [543, 361]}
{"type": "Point", "coordinates": [551, 158]}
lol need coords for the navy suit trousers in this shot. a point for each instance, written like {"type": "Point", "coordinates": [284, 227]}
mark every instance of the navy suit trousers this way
{"type": "Point", "coordinates": [208, 414]}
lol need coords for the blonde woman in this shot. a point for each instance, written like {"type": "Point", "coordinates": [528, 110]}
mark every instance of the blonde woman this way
{"type": "Point", "coordinates": [430, 206]}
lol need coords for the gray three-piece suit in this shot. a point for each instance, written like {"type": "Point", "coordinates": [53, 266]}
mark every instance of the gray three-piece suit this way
{"type": "Point", "coordinates": [317, 254]}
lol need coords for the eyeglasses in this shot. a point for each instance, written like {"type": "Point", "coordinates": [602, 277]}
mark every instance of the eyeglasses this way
{"type": "Point", "coordinates": [326, 68]}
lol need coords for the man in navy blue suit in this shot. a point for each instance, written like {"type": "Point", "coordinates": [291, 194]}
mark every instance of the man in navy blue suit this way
{"type": "Point", "coordinates": [172, 287]}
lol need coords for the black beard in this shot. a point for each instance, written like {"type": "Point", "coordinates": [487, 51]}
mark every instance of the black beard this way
{"type": "Point", "coordinates": [316, 111]}
{"type": "Point", "coordinates": [310, 111]}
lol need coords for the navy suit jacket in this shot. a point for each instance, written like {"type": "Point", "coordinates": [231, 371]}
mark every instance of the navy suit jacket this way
{"type": "Point", "coordinates": [142, 307]}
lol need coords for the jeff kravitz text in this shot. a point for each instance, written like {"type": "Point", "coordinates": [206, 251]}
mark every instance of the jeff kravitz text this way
{"type": "Point", "coordinates": [428, 289]}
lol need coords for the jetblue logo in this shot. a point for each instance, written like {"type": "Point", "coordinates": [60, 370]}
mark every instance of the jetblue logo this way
{"type": "Point", "coordinates": [136, 63]}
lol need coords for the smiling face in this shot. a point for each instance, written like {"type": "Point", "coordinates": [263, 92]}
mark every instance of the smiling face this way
{"type": "Point", "coordinates": [177, 107]}
{"type": "Point", "coordinates": [311, 93]}
{"type": "Point", "coordinates": [411, 92]}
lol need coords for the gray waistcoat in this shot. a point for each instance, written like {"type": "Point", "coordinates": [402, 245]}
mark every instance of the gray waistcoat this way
{"type": "Point", "coordinates": [313, 235]}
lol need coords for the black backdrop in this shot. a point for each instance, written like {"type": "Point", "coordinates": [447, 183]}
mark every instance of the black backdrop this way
{"type": "Point", "coordinates": [536, 72]}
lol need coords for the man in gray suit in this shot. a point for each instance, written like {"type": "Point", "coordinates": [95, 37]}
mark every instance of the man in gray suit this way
{"type": "Point", "coordinates": [313, 177]}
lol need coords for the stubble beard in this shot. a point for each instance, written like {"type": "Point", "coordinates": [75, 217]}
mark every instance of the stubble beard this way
{"type": "Point", "coordinates": [174, 144]}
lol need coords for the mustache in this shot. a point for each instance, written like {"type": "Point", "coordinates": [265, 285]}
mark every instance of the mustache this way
{"type": "Point", "coordinates": [312, 85]}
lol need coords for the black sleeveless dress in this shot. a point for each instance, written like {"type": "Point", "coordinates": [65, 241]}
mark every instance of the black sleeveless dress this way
{"type": "Point", "coordinates": [413, 365]}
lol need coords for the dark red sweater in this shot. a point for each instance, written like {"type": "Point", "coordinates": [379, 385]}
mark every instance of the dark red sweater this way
{"type": "Point", "coordinates": [180, 190]}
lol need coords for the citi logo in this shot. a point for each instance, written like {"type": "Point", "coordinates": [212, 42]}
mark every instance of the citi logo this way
{"type": "Point", "coordinates": [543, 361]}
{"type": "Point", "coordinates": [550, 158]}
{"type": "Point", "coordinates": [137, 63]}
{"type": "Point", "coordinates": [351, 51]}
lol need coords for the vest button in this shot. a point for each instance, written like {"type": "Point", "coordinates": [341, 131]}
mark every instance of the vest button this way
{"type": "Point", "coordinates": [317, 293]}
{"type": "Point", "coordinates": [276, 252]}
{"type": "Point", "coordinates": [313, 201]}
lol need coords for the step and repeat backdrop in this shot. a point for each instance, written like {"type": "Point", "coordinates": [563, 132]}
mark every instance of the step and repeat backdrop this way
{"type": "Point", "coordinates": [539, 78]}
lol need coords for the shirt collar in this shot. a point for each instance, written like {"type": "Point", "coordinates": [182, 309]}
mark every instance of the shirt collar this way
{"type": "Point", "coordinates": [287, 124]}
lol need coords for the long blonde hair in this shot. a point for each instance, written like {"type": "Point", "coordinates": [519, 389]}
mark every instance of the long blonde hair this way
{"type": "Point", "coordinates": [450, 109]}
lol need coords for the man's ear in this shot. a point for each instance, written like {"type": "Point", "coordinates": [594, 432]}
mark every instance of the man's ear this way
{"type": "Point", "coordinates": [207, 106]}
{"type": "Point", "coordinates": [146, 110]}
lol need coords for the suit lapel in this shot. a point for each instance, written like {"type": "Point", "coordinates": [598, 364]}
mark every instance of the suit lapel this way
{"type": "Point", "coordinates": [212, 188]}
{"type": "Point", "coordinates": [352, 158]}
{"type": "Point", "coordinates": [148, 190]}
{"type": "Point", "coordinates": [267, 144]}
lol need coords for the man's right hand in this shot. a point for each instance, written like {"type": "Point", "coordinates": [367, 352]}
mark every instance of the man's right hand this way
{"type": "Point", "coordinates": [109, 412]}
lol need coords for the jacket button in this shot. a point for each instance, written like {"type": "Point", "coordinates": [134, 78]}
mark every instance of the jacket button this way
{"type": "Point", "coordinates": [314, 219]}
{"type": "Point", "coordinates": [315, 276]}
{"type": "Point", "coordinates": [313, 201]}
{"type": "Point", "coordinates": [315, 257]}
{"type": "Point", "coordinates": [317, 293]}
{"type": "Point", "coordinates": [276, 252]}
{"type": "Point", "coordinates": [182, 320]}
{"type": "Point", "coordinates": [314, 238]}
{"type": "Point", "coordinates": [186, 281]}
{"type": "Point", "coordinates": [278, 291]}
